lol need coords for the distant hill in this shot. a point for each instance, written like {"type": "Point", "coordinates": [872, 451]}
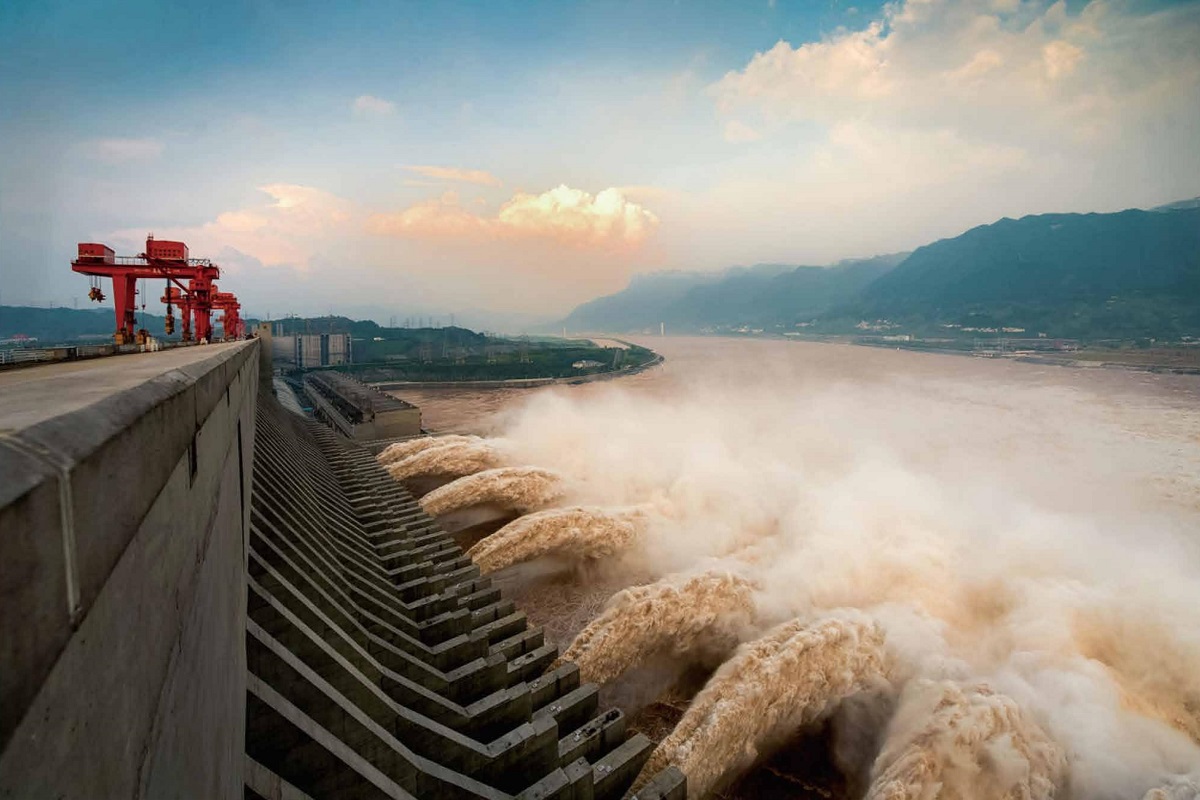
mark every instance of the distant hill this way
{"type": "Point", "coordinates": [762, 294]}
{"type": "Point", "coordinates": [1126, 274]}
{"type": "Point", "coordinates": [1129, 274]}
{"type": "Point", "coordinates": [1179, 205]}
{"type": "Point", "coordinates": [56, 325]}
{"type": "Point", "coordinates": [640, 305]}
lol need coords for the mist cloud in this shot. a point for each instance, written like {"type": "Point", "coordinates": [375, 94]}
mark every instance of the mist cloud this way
{"type": "Point", "coordinates": [455, 174]}
{"type": "Point", "coordinates": [1026, 553]}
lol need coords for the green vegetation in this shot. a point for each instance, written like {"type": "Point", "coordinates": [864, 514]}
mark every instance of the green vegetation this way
{"type": "Point", "coordinates": [510, 362]}
{"type": "Point", "coordinates": [1125, 275]}
{"type": "Point", "coordinates": [763, 295]}
{"type": "Point", "coordinates": [457, 354]}
{"type": "Point", "coordinates": [51, 326]}
{"type": "Point", "coordinates": [379, 353]}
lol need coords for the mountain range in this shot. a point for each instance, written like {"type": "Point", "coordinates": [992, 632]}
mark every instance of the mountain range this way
{"type": "Point", "coordinates": [51, 325]}
{"type": "Point", "coordinates": [1127, 274]}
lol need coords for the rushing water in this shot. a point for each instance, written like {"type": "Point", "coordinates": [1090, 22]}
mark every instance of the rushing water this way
{"type": "Point", "coordinates": [969, 573]}
{"type": "Point", "coordinates": [1123, 407]}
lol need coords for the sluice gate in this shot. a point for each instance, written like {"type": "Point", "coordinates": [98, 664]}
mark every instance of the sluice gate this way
{"type": "Point", "coordinates": [380, 663]}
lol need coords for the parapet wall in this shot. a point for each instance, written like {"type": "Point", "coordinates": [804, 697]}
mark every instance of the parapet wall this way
{"type": "Point", "coordinates": [124, 506]}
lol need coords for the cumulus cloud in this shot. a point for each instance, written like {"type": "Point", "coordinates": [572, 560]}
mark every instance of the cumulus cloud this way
{"type": "Point", "coordinates": [282, 233]}
{"type": "Point", "coordinates": [117, 151]}
{"type": "Point", "coordinates": [286, 231]}
{"type": "Point", "coordinates": [307, 208]}
{"type": "Point", "coordinates": [564, 215]}
{"type": "Point", "coordinates": [574, 216]}
{"type": "Point", "coordinates": [370, 105]}
{"type": "Point", "coordinates": [990, 70]}
{"type": "Point", "coordinates": [455, 174]}
{"type": "Point", "coordinates": [1060, 58]}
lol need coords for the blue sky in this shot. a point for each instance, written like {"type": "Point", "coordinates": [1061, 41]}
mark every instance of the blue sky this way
{"type": "Point", "coordinates": [523, 157]}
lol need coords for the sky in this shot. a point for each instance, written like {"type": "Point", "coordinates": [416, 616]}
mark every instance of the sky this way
{"type": "Point", "coordinates": [506, 161]}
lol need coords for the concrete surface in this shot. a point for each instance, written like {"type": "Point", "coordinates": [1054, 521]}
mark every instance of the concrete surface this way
{"type": "Point", "coordinates": [357, 410]}
{"type": "Point", "coordinates": [383, 665]}
{"type": "Point", "coordinates": [124, 503]}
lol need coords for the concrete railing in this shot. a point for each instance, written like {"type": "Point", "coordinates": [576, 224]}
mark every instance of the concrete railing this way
{"type": "Point", "coordinates": [33, 355]}
{"type": "Point", "coordinates": [124, 503]}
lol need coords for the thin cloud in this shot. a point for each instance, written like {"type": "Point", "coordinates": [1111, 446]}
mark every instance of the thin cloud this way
{"type": "Point", "coordinates": [738, 132]}
{"type": "Point", "coordinates": [115, 151]}
{"type": "Point", "coordinates": [455, 174]}
{"type": "Point", "coordinates": [370, 105]}
{"type": "Point", "coordinates": [975, 66]}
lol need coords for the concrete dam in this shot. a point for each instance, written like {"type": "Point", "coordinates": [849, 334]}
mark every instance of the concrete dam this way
{"type": "Point", "coordinates": [206, 594]}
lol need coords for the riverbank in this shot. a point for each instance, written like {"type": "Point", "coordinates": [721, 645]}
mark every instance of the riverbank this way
{"type": "Point", "coordinates": [521, 383]}
{"type": "Point", "coordinates": [1099, 363]}
{"type": "Point", "coordinates": [1184, 360]}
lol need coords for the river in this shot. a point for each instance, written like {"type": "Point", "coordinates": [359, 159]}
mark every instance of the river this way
{"type": "Point", "coordinates": [1126, 409]}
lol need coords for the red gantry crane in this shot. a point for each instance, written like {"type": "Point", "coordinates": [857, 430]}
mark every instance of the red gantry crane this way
{"type": "Point", "coordinates": [174, 296]}
{"type": "Point", "coordinates": [232, 326]}
{"type": "Point", "coordinates": [191, 284]}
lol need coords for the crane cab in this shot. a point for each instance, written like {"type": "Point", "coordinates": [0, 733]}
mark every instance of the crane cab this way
{"type": "Point", "coordinates": [166, 250]}
{"type": "Point", "coordinates": [96, 253]}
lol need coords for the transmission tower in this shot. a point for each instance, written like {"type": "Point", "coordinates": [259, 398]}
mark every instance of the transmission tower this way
{"type": "Point", "coordinates": [426, 349]}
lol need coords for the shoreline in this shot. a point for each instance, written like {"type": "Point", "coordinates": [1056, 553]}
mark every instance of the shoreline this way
{"type": "Point", "coordinates": [1049, 360]}
{"type": "Point", "coordinates": [521, 383]}
{"type": "Point", "coordinates": [1067, 360]}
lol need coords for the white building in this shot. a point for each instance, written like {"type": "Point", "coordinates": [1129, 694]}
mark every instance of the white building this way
{"type": "Point", "coordinates": [309, 350]}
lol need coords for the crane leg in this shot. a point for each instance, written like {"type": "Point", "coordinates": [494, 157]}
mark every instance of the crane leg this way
{"type": "Point", "coordinates": [124, 297]}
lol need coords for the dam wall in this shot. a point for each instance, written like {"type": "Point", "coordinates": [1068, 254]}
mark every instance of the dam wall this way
{"type": "Point", "coordinates": [124, 507]}
{"type": "Point", "coordinates": [382, 664]}
{"type": "Point", "coordinates": [206, 593]}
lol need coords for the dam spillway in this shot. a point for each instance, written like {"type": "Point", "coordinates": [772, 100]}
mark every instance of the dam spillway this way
{"type": "Point", "coordinates": [209, 595]}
